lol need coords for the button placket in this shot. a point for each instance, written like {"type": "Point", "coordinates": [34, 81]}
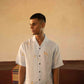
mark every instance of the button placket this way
{"type": "Point", "coordinates": [39, 56]}
{"type": "Point", "coordinates": [39, 66]}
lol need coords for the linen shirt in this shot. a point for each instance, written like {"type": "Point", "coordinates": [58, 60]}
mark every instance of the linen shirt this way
{"type": "Point", "coordinates": [39, 60]}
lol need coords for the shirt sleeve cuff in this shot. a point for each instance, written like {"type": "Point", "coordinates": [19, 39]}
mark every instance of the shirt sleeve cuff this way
{"type": "Point", "coordinates": [57, 66]}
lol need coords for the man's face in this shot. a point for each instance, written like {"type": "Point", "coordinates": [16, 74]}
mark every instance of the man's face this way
{"type": "Point", "coordinates": [36, 26]}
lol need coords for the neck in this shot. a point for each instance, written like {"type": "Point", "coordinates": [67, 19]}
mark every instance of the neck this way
{"type": "Point", "coordinates": [40, 38]}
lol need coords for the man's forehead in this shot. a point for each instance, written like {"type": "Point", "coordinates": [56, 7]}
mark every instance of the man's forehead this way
{"type": "Point", "coordinates": [34, 20]}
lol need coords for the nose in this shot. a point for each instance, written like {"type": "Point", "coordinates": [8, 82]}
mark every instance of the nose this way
{"type": "Point", "coordinates": [31, 26]}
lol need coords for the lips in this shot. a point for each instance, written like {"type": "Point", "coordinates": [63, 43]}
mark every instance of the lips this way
{"type": "Point", "coordinates": [32, 30]}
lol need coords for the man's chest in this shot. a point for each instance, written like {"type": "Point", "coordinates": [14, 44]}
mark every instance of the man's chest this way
{"type": "Point", "coordinates": [39, 56]}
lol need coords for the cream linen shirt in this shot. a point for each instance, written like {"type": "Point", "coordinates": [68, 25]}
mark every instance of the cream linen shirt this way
{"type": "Point", "coordinates": [39, 60]}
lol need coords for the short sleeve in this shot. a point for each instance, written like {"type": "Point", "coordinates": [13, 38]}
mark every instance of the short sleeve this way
{"type": "Point", "coordinates": [20, 59]}
{"type": "Point", "coordinates": [56, 60]}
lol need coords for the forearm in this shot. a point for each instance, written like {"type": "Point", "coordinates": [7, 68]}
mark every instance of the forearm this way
{"type": "Point", "coordinates": [21, 75]}
{"type": "Point", "coordinates": [56, 76]}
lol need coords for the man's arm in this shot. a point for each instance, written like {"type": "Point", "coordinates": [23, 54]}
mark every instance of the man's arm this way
{"type": "Point", "coordinates": [55, 73]}
{"type": "Point", "coordinates": [21, 74]}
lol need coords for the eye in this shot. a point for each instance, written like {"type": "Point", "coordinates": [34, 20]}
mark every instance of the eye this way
{"type": "Point", "coordinates": [33, 24]}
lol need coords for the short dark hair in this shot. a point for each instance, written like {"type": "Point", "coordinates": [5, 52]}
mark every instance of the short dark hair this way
{"type": "Point", "coordinates": [39, 16]}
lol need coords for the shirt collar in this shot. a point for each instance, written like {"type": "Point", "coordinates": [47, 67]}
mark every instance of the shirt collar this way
{"type": "Point", "coordinates": [44, 41]}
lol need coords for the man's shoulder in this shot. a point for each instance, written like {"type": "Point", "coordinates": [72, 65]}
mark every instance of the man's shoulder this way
{"type": "Point", "coordinates": [51, 42]}
{"type": "Point", "coordinates": [26, 42]}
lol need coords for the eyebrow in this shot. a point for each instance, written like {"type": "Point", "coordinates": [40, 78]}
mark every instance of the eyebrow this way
{"type": "Point", "coordinates": [32, 23]}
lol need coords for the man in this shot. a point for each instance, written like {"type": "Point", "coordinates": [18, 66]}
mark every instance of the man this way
{"type": "Point", "coordinates": [38, 58]}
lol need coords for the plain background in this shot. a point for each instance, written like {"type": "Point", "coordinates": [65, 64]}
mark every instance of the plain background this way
{"type": "Point", "coordinates": [65, 26]}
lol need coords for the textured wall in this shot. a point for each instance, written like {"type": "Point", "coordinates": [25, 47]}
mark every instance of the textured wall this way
{"type": "Point", "coordinates": [65, 25]}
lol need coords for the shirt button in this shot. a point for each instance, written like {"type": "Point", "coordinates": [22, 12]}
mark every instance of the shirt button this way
{"type": "Point", "coordinates": [39, 63]}
{"type": "Point", "coordinates": [39, 55]}
{"type": "Point", "coordinates": [39, 79]}
{"type": "Point", "coordinates": [39, 71]}
{"type": "Point", "coordinates": [39, 48]}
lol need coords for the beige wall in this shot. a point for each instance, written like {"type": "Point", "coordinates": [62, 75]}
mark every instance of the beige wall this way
{"type": "Point", "coordinates": [65, 25]}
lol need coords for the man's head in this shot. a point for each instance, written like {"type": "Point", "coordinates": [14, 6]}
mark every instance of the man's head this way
{"type": "Point", "coordinates": [37, 23]}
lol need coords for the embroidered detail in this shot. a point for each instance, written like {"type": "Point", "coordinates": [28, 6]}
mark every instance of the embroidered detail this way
{"type": "Point", "coordinates": [45, 53]}
{"type": "Point", "coordinates": [34, 55]}
{"type": "Point", "coordinates": [32, 82]}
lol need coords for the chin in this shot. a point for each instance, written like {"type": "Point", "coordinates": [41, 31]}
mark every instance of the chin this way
{"type": "Point", "coordinates": [35, 33]}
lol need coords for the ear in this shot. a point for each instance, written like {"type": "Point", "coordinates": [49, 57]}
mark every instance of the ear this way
{"type": "Point", "coordinates": [43, 25]}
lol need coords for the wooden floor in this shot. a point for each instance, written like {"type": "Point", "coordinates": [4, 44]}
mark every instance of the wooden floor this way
{"type": "Point", "coordinates": [71, 73]}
